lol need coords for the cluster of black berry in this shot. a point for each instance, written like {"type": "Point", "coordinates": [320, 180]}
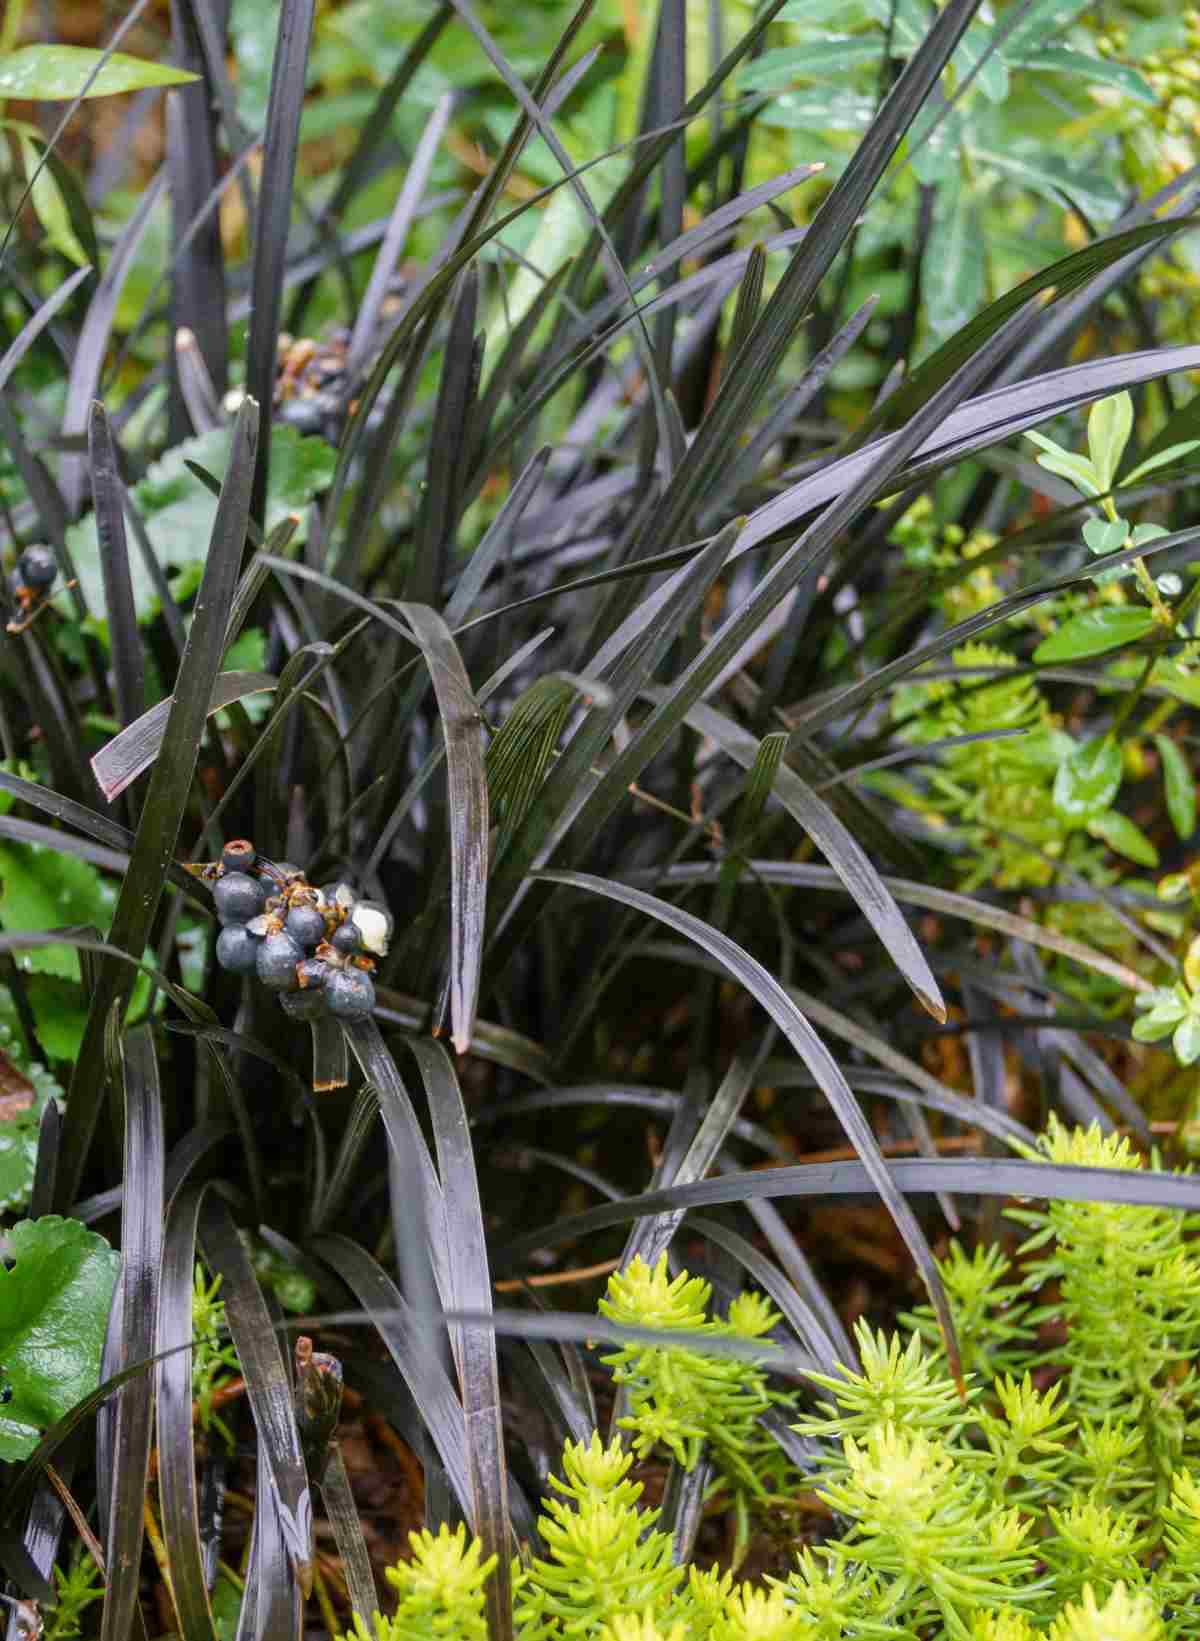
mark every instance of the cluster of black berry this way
{"type": "Point", "coordinates": [315, 947]}
{"type": "Point", "coordinates": [35, 573]}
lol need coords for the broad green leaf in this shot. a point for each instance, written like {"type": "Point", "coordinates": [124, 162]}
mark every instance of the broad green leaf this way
{"type": "Point", "coordinates": [179, 510]}
{"type": "Point", "coordinates": [775, 70]}
{"type": "Point", "coordinates": [59, 74]}
{"type": "Point", "coordinates": [1105, 535]}
{"type": "Point", "coordinates": [1121, 834]}
{"type": "Point", "coordinates": [44, 889]}
{"type": "Point", "coordinates": [1164, 458]}
{"type": "Point", "coordinates": [954, 269]}
{"type": "Point", "coordinates": [1091, 632]}
{"type": "Point", "coordinates": [19, 1128]}
{"type": "Point", "coordinates": [1158, 1023]}
{"type": "Point", "coordinates": [1040, 170]}
{"type": "Point", "coordinates": [1180, 786]}
{"type": "Point", "coordinates": [1089, 780]}
{"type": "Point", "coordinates": [55, 1298]}
{"type": "Point", "coordinates": [1081, 65]}
{"type": "Point", "coordinates": [1109, 425]}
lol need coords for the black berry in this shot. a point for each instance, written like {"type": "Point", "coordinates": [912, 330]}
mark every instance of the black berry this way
{"type": "Point", "coordinates": [306, 925]}
{"type": "Point", "coordinates": [37, 567]}
{"type": "Point", "coordinates": [277, 959]}
{"type": "Point", "coordinates": [351, 994]}
{"type": "Point", "coordinates": [312, 973]}
{"type": "Point", "coordinates": [238, 855]}
{"type": "Point", "coordinates": [346, 939]}
{"type": "Point", "coordinates": [238, 897]}
{"type": "Point", "coordinates": [237, 949]}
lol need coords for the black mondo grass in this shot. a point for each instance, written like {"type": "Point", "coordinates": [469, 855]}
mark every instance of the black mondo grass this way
{"type": "Point", "coordinates": [553, 716]}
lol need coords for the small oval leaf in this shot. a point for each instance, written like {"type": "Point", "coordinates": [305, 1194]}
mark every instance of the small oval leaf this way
{"type": "Point", "coordinates": [1091, 632]}
{"type": "Point", "coordinates": [1121, 834]}
{"type": "Point", "coordinates": [1089, 780]}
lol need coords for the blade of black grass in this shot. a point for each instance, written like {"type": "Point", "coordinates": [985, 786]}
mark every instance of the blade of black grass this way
{"type": "Point", "coordinates": [125, 641]}
{"type": "Point", "coordinates": [387, 258]}
{"type": "Point", "coordinates": [564, 790]}
{"type": "Point", "coordinates": [755, 367]}
{"type": "Point", "coordinates": [176, 1436]}
{"type": "Point", "coordinates": [90, 350]}
{"type": "Point", "coordinates": [355, 1133]}
{"type": "Point", "coordinates": [800, 1318]}
{"type": "Point", "coordinates": [107, 832]}
{"type": "Point", "coordinates": [462, 728]}
{"type": "Point", "coordinates": [497, 539]}
{"type": "Point", "coordinates": [840, 848]}
{"type": "Point", "coordinates": [141, 1260]}
{"type": "Point", "coordinates": [493, 1042]}
{"type": "Point", "coordinates": [268, 1386]}
{"type": "Point", "coordinates": [945, 901]}
{"type": "Point", "coordinates": [982, 1176]}
{"type": "Point", "coordinates": [166, 799]}
{"type": "Point", "coordinates": [120, 761]}
{"type": "Point", "coordinates": [342, 1510]}
{"type": "Point", "coordinates": [272, 1604]}
{"type": "Point", "coordinates": [198, 274]}
{"type": "Point", "coordinates": [22, 831]}
{"type": "Point", "coordinates": [472, 1288]}
{"type": "Point", "coordinates": [406, 1334]}
{"type": "Point", "coordinates": [37, 322]}
{"type": "Point", "coordinates": [804, 1040]}
{"type": "Point", "coordinates": [272, 219]}
{"type": "Point", "coordinates": [442, 498]}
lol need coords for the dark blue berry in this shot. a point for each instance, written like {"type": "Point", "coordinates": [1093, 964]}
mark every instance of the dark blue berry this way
{"type": "Point", "coordinates": [304, 1005]}
{"type": "Point", "coordinates": [237, 949]}
{"type": "Point", "coordinates": [306, 925]}
{"type": "Point", "coordinates": [238, 897]}
{"type": "Point", "coordinates": [277, 959]}
{"type": "Point", "coordinates": [37, 567]}
{"type": "Point", "coordinates": [346, 939]}
{"type": "Point", "coordinates": [351, 994]}
{"type": "Point", "coordinates": [312, 973]}
{"type": "Point", "coordinates": [238, 855]}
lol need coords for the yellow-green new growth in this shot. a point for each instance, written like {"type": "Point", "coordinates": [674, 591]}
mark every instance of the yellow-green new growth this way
{"type": "Point", "coordinates": [440, 1589]}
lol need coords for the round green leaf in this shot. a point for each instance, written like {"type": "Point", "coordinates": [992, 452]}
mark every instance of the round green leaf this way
{"type": "Point", "coordinates": [1186, 1041]}
{"type": "Point", "coordinates": [54, 1304]}
{"type": "Point", "coordinates": [1180, 786]}
{"type": "Point", "coordinates": [1089, 780]}
{"type": "Point", "coordinates": [1091, 632]}
{"type": "Point", "coordinates": [58, 74]}
{"type": "Point", "coordinates": [1105, 535]}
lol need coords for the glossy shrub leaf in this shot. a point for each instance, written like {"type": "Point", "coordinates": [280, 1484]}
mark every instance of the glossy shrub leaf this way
{"type": "Point", "coordinates": [1091, 632]}
{"type": "Point", "coordinates": [1089, 779]}
{"type": "Point", "coordinates": [1105, 535]}
{"type": "Point", "coordinates": [54, 1302]}
{"type": "Point", "coordinates": [1125, 836]}
{"type": "Point", "coordinates": [1110, 422]}
{"type": "Point", "coordinates": [1161, 458]}
{"type": "Point", "coordinates": [59, 74]}
{"type": "Point", "coordinates": [1179, 784]}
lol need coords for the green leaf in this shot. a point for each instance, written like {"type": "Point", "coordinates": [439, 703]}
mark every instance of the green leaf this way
{"type": "Point", "coordinates": [45, 889]}
{"type": "Point", "coordinates": [1081, 65]}
{"type": "Point", "coordinates": [1180, 786]}
{"type": "Point", "coordinates": [59, 74]}
{"type": "Point", "coordinates": [19, 1131]}
{"type": "Point", "coordinates": [1186, 1041]}
{"type": "Point", "coordinates": [1109, 426]}
{"type": "Point", "coordinates": [1163, 458]}
{"type": "Point", "coordinates": [1077, 469]}
{"type": "Point", "coordinates": [1091, 632]}
{"type": "Point", "coordinates": [179, 509]}
{"type": "Point", "coordinates": [1158, 1023]}
{"type": "Point", "coordinates": [1089, 780]}
{"type": "Point", "coordinates": [50, 207]}
{"type": "Point", "coordinates": [1105, 535]}
{"type": "Point", "coordinates": [54, 1303]}
{"type": "Point", "coordinates": [1121, 834]}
